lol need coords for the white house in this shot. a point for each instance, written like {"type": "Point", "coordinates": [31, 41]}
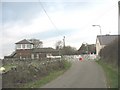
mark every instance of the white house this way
{"type": "Point", "coordinates": [24, 44]}
{"type": "Point", "coordinates": [104, 40]}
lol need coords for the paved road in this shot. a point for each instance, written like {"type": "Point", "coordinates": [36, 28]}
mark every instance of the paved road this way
{"type": "Point", "coordinates": [82, 74]}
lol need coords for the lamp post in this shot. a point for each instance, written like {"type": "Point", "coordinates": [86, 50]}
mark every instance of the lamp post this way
{"type": "Point", "coordinates": [99, 27]}
{"type": "Point", "coordinates": [100, 32]}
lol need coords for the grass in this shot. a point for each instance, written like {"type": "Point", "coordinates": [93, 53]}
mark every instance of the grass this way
{"type": "Point", "coordinates": [111, 74]}
{"type": "Point", "coordinates": [53, 75]}
{"type": "Point", "coordinates": [8, 67]}
{"type": "Point", "coordinates": [16, 63]}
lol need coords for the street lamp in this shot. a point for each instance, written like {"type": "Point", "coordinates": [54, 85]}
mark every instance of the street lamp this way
{"type": "Point", "coordinates": [100, 31]}
{"type": "Point", "coordinates": [99, 27]}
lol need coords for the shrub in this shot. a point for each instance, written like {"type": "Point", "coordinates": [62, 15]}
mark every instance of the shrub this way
{"type": "Point", "coordinates": [26, 72]}
{"type": "Point", "coordinates": [110, 52]}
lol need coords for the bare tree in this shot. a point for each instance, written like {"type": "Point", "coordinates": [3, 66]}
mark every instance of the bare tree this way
{"type": "Point", "coordinates": [37, 43]}
{"type": "Point", "coordinates": [59, 45]}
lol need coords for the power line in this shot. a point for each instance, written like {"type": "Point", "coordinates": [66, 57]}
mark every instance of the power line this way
{"type": "Point", "coordinates": [47, 15]}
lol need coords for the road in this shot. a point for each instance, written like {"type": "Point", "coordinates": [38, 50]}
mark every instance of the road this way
{"type": "Point", "coordinates": [82, 74]}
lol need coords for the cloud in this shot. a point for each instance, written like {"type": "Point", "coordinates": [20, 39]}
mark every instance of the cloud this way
{"type": "Point", "coordinates": [23, 11]}
{"type": "Point", "coordinates": [57, 0]}
{"type": "Point", "coordinates": [75, 23]}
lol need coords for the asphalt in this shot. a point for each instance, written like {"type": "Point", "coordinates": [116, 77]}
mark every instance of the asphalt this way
{"type": "Point", "coordinates": [82, 74]}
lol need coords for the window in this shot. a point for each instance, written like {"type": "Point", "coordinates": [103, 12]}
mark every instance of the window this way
{"type": "Point", "coordinates": [18, 46]}
{"type": "Point", "coordinates": [31, 46]}
{"type": "Point", "coordinates": [28, 46]}
{"type": "Point", "coordinates": [32, 56]}
{"type": "Point", "coordinates": [37, 56]}
{"type": "Point", "coordinates": [23, 46]}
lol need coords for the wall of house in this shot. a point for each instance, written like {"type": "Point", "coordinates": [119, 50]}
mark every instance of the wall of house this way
{"type": "Point", "coordinates": [24, 46]}
{"type": "Point", "coordinates": [98, 46]}
{"type": "Point", "coordinates": [23, 53]}
{"type": "Point", "coordinates": [38, 55]}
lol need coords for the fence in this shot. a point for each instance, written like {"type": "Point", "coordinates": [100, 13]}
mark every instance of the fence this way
{"type": "Point", "coordinates": [18, 61]}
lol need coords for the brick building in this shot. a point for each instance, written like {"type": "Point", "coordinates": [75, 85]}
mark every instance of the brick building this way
{"type": "Point", "coordinates": [25, 49]}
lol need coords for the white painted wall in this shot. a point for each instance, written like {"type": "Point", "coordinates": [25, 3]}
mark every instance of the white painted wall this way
{"type": "Point", "coordinates": [24, 46]}
{"type": "Point", "coordinates": [98, 46]}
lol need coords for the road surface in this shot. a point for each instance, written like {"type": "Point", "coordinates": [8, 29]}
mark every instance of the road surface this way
{"type": "Point", "coordinates": [82, 74]}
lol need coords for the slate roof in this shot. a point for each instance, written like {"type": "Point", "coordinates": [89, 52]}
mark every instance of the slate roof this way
{"type": "Point", "coordinates": [44, 50]}
{"type": "Point", "coordinates": [24, 41]}
{"type": "Point", "coordinates": [106, 39]}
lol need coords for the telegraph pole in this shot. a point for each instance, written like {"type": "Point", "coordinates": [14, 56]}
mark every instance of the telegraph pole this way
{"type": "Point", "coordinates": [64, 41]}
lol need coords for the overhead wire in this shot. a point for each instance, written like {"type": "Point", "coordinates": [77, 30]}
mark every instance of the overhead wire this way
{"type": "Point", "coordinates": [47, 15]}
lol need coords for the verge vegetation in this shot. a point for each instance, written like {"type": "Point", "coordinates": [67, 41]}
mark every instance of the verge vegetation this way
{"type": "Point", "coordinates": [34, 73]}
{"type": "Point", "coordinates": [110, 62]}
{"type": "Point", "coordinates": [51, 76]}
{"type": "Point", "coordinates": [111, 74]}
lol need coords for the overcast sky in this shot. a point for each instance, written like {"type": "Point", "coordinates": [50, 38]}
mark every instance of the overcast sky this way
{"type": "Point", "coordinates": [25, 19]}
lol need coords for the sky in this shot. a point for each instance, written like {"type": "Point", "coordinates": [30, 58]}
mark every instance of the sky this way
{"type": "Point", "coordinates": [26, 19]}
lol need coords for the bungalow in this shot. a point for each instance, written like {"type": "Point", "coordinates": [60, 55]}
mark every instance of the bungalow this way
{"type": "Point", "coordinates": [104, 40]}
{"type": "Point", "coordinates": [25, 49]}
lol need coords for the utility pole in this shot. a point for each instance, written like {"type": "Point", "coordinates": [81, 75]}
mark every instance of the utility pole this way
{"type": "Point", "coordinates": [64, 42]}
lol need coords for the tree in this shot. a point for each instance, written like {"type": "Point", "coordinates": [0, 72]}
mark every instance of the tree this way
{"type": "Point", "coordinates": [87, 48]}
{"type": "Point", "coordinates": [82, 49]}
{"type": "Point", "coordinates": [68, 50]}
{"type": "Point", "coordinates": [109, 53]}
{"type": "Point", "coordinates": [59, 45]}
{"type": "Point", "coordinates": [37, 43]}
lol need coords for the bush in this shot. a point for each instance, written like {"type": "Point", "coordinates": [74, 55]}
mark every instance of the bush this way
{"type": "Point", "coordinates": [110, 53]}
{"type": "Point", "coordinates": [26, 72]}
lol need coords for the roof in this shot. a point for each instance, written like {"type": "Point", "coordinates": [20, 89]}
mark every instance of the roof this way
{"type": "Point", "coordinates": [35, 40]}
{"type": "Point", "coordinates": [24, 41]}
{"type": "Point", "coordinates": [44, 50]}
{"type": "Point", "coordinates": [106, 39]}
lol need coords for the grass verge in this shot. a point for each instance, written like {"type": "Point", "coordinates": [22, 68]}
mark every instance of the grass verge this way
{"type": "Point", "coordinates": [111, 74]}
{"type": "Point", "coordinates": [53, 75]}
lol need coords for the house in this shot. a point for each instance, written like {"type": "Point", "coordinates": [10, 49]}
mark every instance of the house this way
{"type": "Point", "coordinates": [26, 49]}
{"type": "Point", "coordinates": [87, 49]}
{"type": "Point", "coordinates": [104, 40]}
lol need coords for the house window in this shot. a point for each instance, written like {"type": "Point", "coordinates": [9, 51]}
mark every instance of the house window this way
{"type": "Point", "coordinates": [28, 46]}
{"type": "Point", "coordinates": [32, 56]}
{"type": "Point", "coordinates": [37, 56]}
{"type": "Point", "coordinates": [18, 46]}
{"type": "Point", "coordinates": [23, 46]}
{"type": "Point", "coordinates": [31, 46]}
{"type": "Point", "coordinates": [20, 57]}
